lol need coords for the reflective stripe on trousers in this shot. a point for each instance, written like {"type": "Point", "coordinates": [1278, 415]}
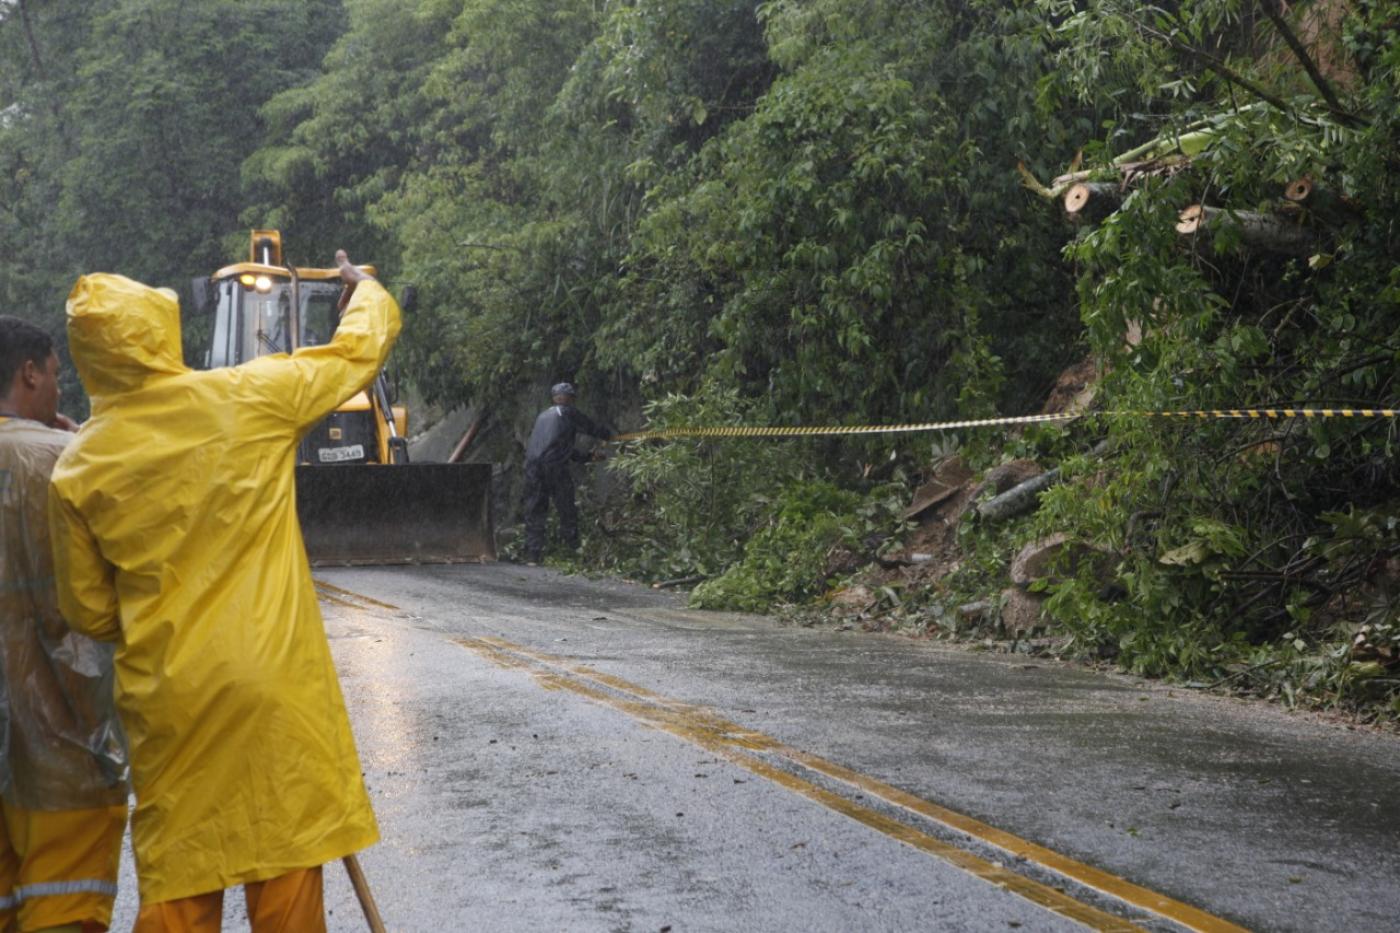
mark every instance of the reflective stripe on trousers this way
{"type": "Point", "coordinates": [54, 889]}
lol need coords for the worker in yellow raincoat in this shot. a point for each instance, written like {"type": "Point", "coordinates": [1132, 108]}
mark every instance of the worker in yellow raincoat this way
{"type": "Point", "coordinates": [62, 759]}
{"type": "Point", "coordinates": [175, 535]}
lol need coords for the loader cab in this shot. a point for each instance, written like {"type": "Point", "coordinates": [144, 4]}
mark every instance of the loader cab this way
{"type": "Point", "coordinates": [261, 307]}
{"type": "Point", "coordinates": [274, 315]}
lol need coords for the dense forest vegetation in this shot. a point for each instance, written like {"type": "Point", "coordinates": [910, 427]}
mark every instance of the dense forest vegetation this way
{"type": "Point", "coordinates": [822, 212]}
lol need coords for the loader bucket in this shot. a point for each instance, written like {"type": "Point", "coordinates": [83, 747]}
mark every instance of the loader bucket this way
{"type": "Point", "coordinates": [412, 513]}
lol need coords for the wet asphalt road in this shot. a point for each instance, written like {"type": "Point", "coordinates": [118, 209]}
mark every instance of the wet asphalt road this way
{"type": "Point", "coordinates": [552, 753]}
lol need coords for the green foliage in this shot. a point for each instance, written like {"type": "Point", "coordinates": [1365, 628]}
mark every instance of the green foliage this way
{"type": "Point", "coordinates": [808, 212]}
{"type": "Point", "coordinates": [497, 228]}
{"type": "Point", "coordinates": [339, 144]}
{"type": "Point", "coordinates": [1230, 532]}
{"type": "Point", "coordinates": [796, 202]}
{"type": "Point", "coordinates": [691, 504]}
{"type": "Point", "coordinates": [122, 132]}
{"type": "Point", "coordinates": [858, 246]}
{"type": "Point", "coordinates": [786, 559]}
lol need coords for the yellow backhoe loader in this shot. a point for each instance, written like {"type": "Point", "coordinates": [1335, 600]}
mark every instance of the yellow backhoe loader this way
{"type": "Point", "coordinates": [359, 499]}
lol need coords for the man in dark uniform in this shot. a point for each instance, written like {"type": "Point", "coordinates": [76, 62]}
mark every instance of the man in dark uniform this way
{"type": "Point", "coordinates": [547, 476]}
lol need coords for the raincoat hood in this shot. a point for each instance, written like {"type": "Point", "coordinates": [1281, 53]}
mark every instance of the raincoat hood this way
{"type": "Point", "coordinates": [122, 333]}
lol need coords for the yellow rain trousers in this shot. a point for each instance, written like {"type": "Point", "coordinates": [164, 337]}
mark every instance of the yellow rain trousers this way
{"type": "Point", "coordinates": [290, 903]}
{"type": "Point", "coordinates": [175, 535]}
{"type": "Point", "coordinates": [59, 867]}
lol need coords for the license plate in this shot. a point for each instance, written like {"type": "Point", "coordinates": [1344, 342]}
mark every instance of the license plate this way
{"type": "Point", "coordinates": [341, 454]}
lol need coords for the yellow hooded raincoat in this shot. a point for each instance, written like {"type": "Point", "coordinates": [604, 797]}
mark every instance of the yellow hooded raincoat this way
{"type": "Point", "coordinates": [175, 535]}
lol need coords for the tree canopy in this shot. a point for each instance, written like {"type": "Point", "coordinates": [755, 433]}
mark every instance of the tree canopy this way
{"type": "Point", "coordinates": [817, 212]}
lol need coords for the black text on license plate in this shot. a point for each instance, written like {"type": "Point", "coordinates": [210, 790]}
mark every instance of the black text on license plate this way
{"type": "Point", "coordinates": [341, 454]}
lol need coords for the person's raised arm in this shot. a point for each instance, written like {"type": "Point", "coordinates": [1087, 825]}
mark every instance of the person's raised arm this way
{"type": "Point", "coordinates": [309, 384]}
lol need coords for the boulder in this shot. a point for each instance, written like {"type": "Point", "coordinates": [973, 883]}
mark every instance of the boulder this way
{"type": "Point", "coordinates": [1006, 476]}
{"type": "Point", "coordinates": [1058, 557]}
{"type": "Point", "coordinates": [973, 614]}
{"type": "Point", "coordinates": [1021, 612]}
{"type": "Point", "coordinates": [1074, 390]}
{"type": "Point", "coordinates": [949, 476]}
{"type": "Point", "coordinates": [435, 444]}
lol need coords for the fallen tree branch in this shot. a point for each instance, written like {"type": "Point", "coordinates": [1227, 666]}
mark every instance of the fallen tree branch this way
{"type": "Point", "coordinates": [1249, 670]}
{"type": "Point", "coordinates": [462, 445]}
{"type": "Point", "coordinates": [1260, 231]}
{"type": "Point", "coordinates": [1017, 500]}
{"type": "Point", "coordinates": [1327, 205]}
{"type": "Point", "coordinates": [1092, 200]}
{"type": "Point", "coordinates": [1025, 497]}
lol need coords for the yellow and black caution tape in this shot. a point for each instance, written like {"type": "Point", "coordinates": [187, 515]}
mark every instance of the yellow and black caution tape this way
{"type": "Point", "coordinates": [1217, 413]}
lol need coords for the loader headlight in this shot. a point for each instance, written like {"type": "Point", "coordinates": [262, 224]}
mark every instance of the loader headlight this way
{"type": "Point", "coordinates": [261, 283]}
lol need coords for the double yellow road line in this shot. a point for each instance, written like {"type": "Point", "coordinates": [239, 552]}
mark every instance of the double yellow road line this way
{"type": "Point", "coordinates": [801, 772]}
{"type": "Point", "coordinates": [814, 778]}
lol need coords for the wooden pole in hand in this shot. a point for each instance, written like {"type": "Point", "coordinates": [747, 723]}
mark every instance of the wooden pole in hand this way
{"type": "Point", "coordinates": [361, 886]}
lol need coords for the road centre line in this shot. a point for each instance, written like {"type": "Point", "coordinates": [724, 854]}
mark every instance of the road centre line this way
{"type": "Point", "coordinates": [729, 745]}
{"type": "Point", "coordinates": [738, 744]}
{"type": "Point", "coordinates": [337, 601]}
{"type": "Point", "coordinates": [707, 723]}
{"type": "Point", "coordinates": [334, 594]}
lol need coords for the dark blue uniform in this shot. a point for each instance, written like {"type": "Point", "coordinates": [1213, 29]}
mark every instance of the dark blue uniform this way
{"type": "Point", "coordinates": [547, 476]}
